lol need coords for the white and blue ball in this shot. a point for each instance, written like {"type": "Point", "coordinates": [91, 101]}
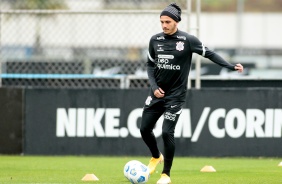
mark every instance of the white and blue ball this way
{"type": "Point", "coordinates": [136, 172]}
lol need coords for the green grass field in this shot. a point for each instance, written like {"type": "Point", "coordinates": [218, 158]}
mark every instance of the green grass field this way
{"type": "Point", "coordinates": [71, 169]}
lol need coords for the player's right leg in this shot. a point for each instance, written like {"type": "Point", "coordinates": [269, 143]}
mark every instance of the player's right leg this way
{"type": "Point", "coordinates": [153, 163]}
{"type": "Point", "coordinates": [150, 116]}
{"type": "Point", "coordinates": [149, 120]}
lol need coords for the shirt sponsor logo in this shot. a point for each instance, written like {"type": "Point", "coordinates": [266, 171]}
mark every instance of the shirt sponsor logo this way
{"type": "Point", "coordinates": [179, 46]}
{"type": "Point", "coordinates": [168, 67]}
{"type": "Point", "coordinates": [164, 64]}
{"type": "Point", "coordinates": [160, 38]}
{"type": "Point", "coordinates": [160, 49]}
{"type": "Point", "coordinates": [164, 56]}
{"type": "Point", "coordinates": [181, 37]}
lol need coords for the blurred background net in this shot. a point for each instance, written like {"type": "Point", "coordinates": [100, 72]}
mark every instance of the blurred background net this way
{"type": "Point", "coordinates": [103, 43]}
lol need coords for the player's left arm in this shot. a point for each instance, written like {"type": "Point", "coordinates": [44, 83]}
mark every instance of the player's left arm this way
{"type": "Point", "coordinates": [198, 47]}
{"type": "Point", "coordinates": [239, 67]}
{"type": "Point", "coordinates": [214, 57]}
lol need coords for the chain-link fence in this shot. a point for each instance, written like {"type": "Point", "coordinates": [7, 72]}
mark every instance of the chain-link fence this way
{"type": "Point", "coordinates": [103, 43]}
{"type": "Point", "coordinates": [89, 48]}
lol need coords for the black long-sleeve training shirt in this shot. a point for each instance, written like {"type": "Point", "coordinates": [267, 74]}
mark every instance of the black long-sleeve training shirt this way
{"type": "Point", "coordinates": [169, 61]}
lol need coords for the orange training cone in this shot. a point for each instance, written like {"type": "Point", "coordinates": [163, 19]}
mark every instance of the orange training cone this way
{"type": "Point", "coordinates": [208, 168]}
{"type": "Point", "coordinates": [90, 177]}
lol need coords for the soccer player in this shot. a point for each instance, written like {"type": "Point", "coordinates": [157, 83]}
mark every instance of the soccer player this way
{"type": "Point", "coordinates": [169, 60]}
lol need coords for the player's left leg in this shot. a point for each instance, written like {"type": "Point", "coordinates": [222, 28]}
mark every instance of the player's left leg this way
{"type": "Point", "coordinates": [165, 179]}
{"type": "Point", "coordinates": [170, 120]}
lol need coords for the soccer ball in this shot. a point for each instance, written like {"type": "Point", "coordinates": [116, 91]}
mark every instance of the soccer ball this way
{"type": "Point", "coordinates": [136, 172]}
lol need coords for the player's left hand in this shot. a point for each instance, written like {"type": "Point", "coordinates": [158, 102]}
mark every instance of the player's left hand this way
{"type": "Point", "coordinates": [239, 67]}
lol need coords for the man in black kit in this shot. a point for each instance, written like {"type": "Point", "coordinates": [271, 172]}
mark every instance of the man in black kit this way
{"type": "Point", "coordinates": [169, 60]}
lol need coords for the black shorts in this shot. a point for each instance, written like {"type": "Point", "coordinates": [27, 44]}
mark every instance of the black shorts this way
{"type": "Point", "coordinates": [156, 107]}
{"type": "Point", "coordinates": [161, 105]}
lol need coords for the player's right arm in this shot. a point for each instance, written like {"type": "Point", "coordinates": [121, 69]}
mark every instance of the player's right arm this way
{"type": "Point", "coordinates": [158, 92]}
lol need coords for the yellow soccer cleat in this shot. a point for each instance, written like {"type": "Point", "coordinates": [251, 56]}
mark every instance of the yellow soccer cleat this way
{"type": "Point", "coordinates": [165, 179]}
{"type": "Point", "coordinates": [154, 162]}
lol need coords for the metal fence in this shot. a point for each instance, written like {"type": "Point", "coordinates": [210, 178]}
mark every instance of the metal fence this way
{"type": "Point", "coordinates": [97, 44]}
{"type": "Point", "coordinates": [78, 48]}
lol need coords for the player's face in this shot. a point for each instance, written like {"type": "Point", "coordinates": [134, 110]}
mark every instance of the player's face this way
{"type": "Point", "coordinates": [169, 26]}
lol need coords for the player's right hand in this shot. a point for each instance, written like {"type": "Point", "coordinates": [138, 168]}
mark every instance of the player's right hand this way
{"type": "Point", "coordinates": [159, 93]}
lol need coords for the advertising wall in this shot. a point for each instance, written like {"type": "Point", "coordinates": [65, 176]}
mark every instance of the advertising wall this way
{"type": "Point", "coordinates": [214, 122]}
{"type": "Point", "coordinates": [11, 120]}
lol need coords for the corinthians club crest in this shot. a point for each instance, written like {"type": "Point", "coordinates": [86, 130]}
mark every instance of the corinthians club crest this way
{"type": "Point", "coordinates": [179, 46]}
